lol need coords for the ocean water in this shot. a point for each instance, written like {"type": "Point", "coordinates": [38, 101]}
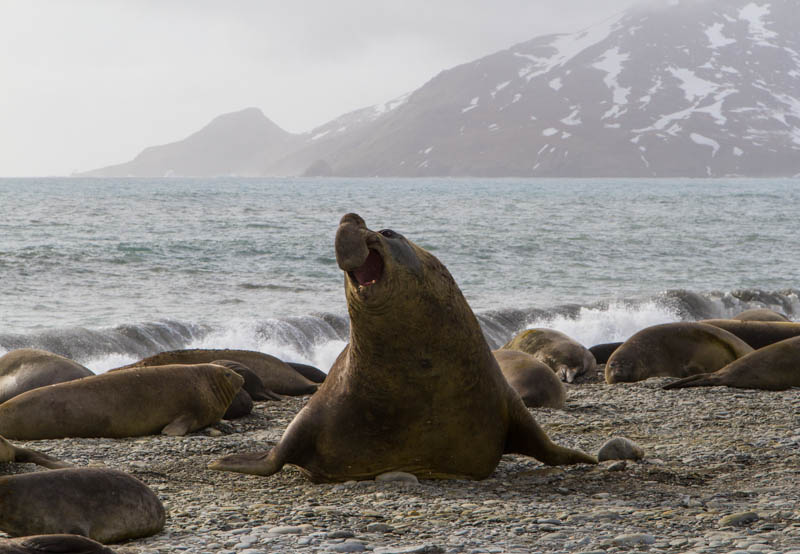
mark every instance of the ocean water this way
{"type": "Point", "coordinates": [107, 271]}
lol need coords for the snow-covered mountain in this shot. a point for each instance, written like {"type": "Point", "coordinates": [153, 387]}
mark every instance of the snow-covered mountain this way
{"type": "Point", "coordinates": [677, 88]}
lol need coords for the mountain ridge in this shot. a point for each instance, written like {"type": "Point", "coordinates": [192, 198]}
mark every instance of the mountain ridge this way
{"type": "Point", "coordinates": [684, 89]}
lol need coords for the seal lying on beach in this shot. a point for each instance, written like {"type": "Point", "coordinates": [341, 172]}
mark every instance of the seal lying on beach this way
{"type": "Point", "coordinates": [774, 367]}
{"type": "Point", "coordinates": [28, 368]}
{"type": "Point", "coordinates": [11, 453]}
{"type": "Point", "coordinates": [758, 334]}
{"type": "Point", "coordinates": [173, 400]}
{"type": "Point", "coordinates": [566, 356]}
{"type": "Point", "coordinates": [533, 380]}
{"type": "Point", "coordinates": [416, 390]}
{"type": "Point", "coordinates": [277, 375]}
{"type": "Point", "coordinates": [760, 314]}
{"type": "Point", "coordinates": [103, 504]}
{"type": "Point", "coordinates": [673, 350]}
{"type": "Point", "coordinates": [53, 544]}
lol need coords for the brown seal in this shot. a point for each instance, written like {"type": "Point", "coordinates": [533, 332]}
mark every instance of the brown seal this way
{"type": "Point", "coordinates": [253, 385]}
{"type": "Point", "coordinates": [53, 544]}
{"type": "Point", "coordinates": [28, 368]}
{"type": "Point", "coordinates": [760, 314]}
{"type": "Point", "coordinates": [173, 400]}
{"type": "Point", "coordinates": [566, 356]}
{"type": "Point", "coordinates": [11, 453]}
{"type": "Point", "coordinates": [277, 375]}
{"type": "Point", "coordinates": [103, 504]}
{"type": "Point", "coordinates": [533, 380]}
{"type": "Point", "coordinates": [416, 390]}
{"type": "Point", "coordinates": [774, 367]}
{"type": "Point", "coordinates": [758, 334]}
{"type": "Point", "coordinates": [674, 350]}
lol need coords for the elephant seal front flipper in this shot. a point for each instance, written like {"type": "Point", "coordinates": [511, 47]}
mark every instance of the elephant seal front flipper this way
{"type": "Point", "coordinates": [180, 426]}
{"type": "Point", "coordinates": [53, 544]}
{"type": "Point", "coordinates": [11, 453]}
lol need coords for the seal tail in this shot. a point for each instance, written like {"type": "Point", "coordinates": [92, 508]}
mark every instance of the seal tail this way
{"type": "Point", "coordinates": [700, 380]}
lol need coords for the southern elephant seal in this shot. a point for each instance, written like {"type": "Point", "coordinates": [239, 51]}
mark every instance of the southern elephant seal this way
{"type": "Point", "coordinates": [566, 356]}
{"type": "Point", "coordinates": [533, 380]}
{"type": "Point", "coordinates": [253, 384]}
{"type": "Point", "coordinates": [310, 372]}
{"type": "Point", "coordinates": [774, 367]}
{"type": "Point", "coordinates": [602, 352]}
{"type": "Point", "coordinates": [277, 375]}
{"type": "Point", "coordinates": [673, 350]}
{"type": "Point", "coordinates": [173, 400]}
{"type": "Point", "coordinates": [28, 368]}
{"type": "Point", "coordinates": [760, 314]}
{"type": "Point", "coordinates": [11, 453]}
{"type": "Point", "coordinates": [417, 387]}
{"type": "Point", "coordinates": [758, 334]}
{"type": "Point", "coordinates": [103, 504]}
{"type": "Point", "coordinates": [53, 544]}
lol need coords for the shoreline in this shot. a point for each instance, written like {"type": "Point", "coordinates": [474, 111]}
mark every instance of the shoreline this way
{"type": "Point", "coordinates": [710, 453]}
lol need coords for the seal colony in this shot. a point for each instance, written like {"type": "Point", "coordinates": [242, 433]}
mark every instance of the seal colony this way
{"type": "Point", "coordinates": [417, 387]}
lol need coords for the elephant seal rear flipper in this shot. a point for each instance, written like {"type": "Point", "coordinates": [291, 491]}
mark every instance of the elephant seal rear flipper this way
{"type": "Point", "coordinates": [11, 453]}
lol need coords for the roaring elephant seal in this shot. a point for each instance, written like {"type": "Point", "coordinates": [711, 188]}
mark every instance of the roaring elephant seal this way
{"type": "Point", "coordinates": [173, 400]}
{"type": "Point", "coordinates": [673, 350]}
{"type": "Point", "coordinates": [774, 367]}
{"type": "Point", "coordinates": [758, 334]}
{"type": "Point", "coordinates": [28, 368]}
{"type": "Point", "coordinates": [416, 390]}
{"type": "Point", "coordinates": [566, 356]}
{"type": "Point", "coordinates": [760, 314]}
{"type": "Point", "coordinates": [103, 504]}
{"type": "Point", "coordinates": [11, 453]}
{"type": "Point", "coordinates": [533, 380]}
{"type": "Point", "coordinates": [277, 375]}
{"type": "Point", "coordinates": [53, 544]}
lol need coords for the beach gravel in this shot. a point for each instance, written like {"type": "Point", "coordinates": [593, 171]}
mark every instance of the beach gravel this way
{"type": "Point", "coordinates": [720, 474]}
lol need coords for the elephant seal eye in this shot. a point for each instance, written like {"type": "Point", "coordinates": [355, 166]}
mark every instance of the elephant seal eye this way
{"type": "Point", "coordinates": [388, 233]}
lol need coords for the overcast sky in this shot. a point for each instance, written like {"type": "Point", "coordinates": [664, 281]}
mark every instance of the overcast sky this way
{"type": "Point", "coordinates": [89, 83]}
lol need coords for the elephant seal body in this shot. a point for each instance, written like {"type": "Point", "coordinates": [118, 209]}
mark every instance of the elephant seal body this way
{"type": "Point", "coordinates": [313, 374]}
{"type": "Point", "coordinates": [276, 374]}
{"type": "Point", "coordinates": [566, 356]}
{"type": "Point", "coordinates": [673, 350]}
{"type": "Point", "coordinates": [253, 385]}
{"type": "Point", "coordinates": [533, 380]}
{"type": "Point", "coordinates": [774, 367]}
{"type": "Point", "coordinates": [173, 400]}
{"type": "Point", "coordinates": [53, 544]}
{"type": "Point", "coordinates": [602, 352]}
{"type": "Point", "coordinates": [103, 504]}
{"type": "Point", "coordinates": [28, 368]}
{"type": "Point", "coordinates": [758, 334]}
{"type": "Point", "coordinates": [11, 453]}
{"type": "Point", "coordinates": [416, 390]}
{"type": "Point", "coordinates": [760, 314]}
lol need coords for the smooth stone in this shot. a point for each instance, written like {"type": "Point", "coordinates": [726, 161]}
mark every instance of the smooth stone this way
{"type": "Point", "coordinates": [634, 539]}
{"type": "Point", "coordinates": [379, 528]}
{"type": "Point", "coordinates": [620, 448]}
{"type": "Point", "coordinates": [349, 547]}
{"type": "Point", "coordinates": [410, 549]}
{"type": "Point", "coordinates": [285, 530]}
{"type": "Point", "coordinates": [397, 476]}
{"type": "Point", "coordinates": [741, 518]}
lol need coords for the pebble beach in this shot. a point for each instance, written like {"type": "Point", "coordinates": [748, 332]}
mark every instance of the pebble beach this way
{"type": "Point", "coordinates": [720, 474]}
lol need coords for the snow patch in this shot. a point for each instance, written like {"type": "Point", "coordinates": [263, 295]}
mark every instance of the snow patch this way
{"type": "Point", "coordinates": [705, 141]}
{"type": "Point", "coordinates": [693, 86]}
{"type": "Point", "coordinates": [572, 119]}
{"type": "Point", "coordinates": [499, 87]}
{"type": "Point", "coordinates": [754, 15]}
{"type": "Point", "coordinates": [611, 62]}
{"type": "Point", "coordinates": [715, 36]}
{"type": "Point", "coordinates": [737, 151]}
{"type": "Point", "coordinates": [472, 105]}
{"type": "Point", "coordinates": [320, 135]}
{"type": "Point", "coordinates": [556, 84]}
{"type": "Point", "coordinates": [517, 96]}
{"type": "Point", "coordinates": [391, 105]}
{"type": "Point", "coordinates": [549, 132]}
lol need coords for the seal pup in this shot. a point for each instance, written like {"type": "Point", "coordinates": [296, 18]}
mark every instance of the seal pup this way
{"type": "Point", "coordinates": [758, 334]}
{"type": "Point", "coordinates": [774, 367]}
{"type": "Point", "coordinates": [760, 314]}
{"type": "Point", "coordinates": [673, 350]}
{"type": "Point", "coordinates": [566, 356]}
{"type": "Point", "coordinates": [53, 544]}
{"type": "Point", "coordinates": [11, 453]}
{"type": "Point", "coordinates": [25, 369]}
{"type": "Point", "coordinates": [533, 380]}
{"type": "Point", "coordinates": [173, 400]}
{"type": "Point", "coordinates": [416, 390]}
{"type": "Point", "coordinates": [103, 504]}
{"type": "Point", "coordinates": [277, 375]}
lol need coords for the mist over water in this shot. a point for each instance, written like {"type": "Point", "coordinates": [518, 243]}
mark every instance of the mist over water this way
{"type": "Point", "coordinates": [109, 271]}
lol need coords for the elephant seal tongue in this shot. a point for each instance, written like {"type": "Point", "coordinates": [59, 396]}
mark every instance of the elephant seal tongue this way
{"type": "Point", "coordinates": [370, 271]}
